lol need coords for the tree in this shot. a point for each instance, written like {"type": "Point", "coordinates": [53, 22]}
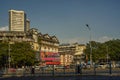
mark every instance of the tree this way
{"type": "Point", "coordinates": [21, 54]}
{"type": "Point", "coordinates": [100, 51]}
{"type": "Point", "coordinates": [96, 51]}
{"type": "Point", "coordinates": [3, 54]}
{"type": "Point", "coordinates": [114, 49]}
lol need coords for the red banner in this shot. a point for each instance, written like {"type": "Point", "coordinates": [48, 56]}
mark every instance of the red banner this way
{"type": "Point", "coordinates": [52, 63]}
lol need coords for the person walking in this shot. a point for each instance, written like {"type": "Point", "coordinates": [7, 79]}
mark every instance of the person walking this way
{"type": "Point", "coordinates": [32, 71]}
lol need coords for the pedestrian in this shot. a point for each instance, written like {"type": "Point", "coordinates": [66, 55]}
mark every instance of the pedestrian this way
{"type": "Point", "coordinates": [32, 70]}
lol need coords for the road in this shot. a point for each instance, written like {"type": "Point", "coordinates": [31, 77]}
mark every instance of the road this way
{"type": "Point", "coordinates": [101, 74]}
{"type": "Point", "coordinates": [64, 78]}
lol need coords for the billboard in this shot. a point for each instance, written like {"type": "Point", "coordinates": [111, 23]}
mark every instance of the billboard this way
{"type": "Point", "coordinates": [50, 58]}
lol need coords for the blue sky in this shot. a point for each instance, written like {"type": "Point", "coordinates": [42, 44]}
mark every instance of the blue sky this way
{"type": "Point", "coordinates": [67, 18]}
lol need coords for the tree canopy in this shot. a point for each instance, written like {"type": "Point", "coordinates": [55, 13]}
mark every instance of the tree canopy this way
{"type": "Point", "coordinates": [103, 51]}
{"type": "Point", "coordinates": [21, 54]}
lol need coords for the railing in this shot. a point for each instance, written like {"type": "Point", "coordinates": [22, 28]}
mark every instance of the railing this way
{"type": "Point", "coordinates": [52, 71]}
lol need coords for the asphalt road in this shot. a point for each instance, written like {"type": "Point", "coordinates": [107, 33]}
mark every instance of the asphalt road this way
{"type": "Point", "coordinates": [59, 75]}
{"type": "Point", "coordinates": [64, 78]}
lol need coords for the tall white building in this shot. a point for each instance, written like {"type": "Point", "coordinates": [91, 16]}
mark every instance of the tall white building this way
{"type": "Point", "coordinates": [17, 20]}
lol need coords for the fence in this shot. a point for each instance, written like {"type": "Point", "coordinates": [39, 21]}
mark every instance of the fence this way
{"type": "Point", "coordinates": [77, 70]}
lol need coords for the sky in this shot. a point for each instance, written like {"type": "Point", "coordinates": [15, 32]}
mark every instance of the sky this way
{"type": "Point", "coordinates": [67, 19]}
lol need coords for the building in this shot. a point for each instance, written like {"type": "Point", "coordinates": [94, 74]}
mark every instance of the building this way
{"type": "Point", "coordinates": [27, 24]}
{"type": "Point", "coordinates": [14, 36]}
{"type": "Point", "coordinates": [46, 47]}
{"type": "Point", "coordinates": [79, 56]}
{"type": "Point", "coordinates": [49, 49]}
{"type": "Point", "coordinates": [66, 54]}
{"type": "Point", "coordinates": [71, 53]}
{"type": "Point", "coordinates": [17, 20]}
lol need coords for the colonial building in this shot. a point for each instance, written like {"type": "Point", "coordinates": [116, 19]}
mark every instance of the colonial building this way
{"type": "Point", "coordinates": [71, 53]}
{"type": "Point", "coordinates": [44, 45]}
{"type": "Point", "coordinates": [14, 36]}
{"type": "Point", "coordinates": [49, 49]}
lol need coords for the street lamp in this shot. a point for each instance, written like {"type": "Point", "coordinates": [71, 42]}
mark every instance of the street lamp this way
{"type": "Point", "coordinates": [90, 44]}
{"type": "Point", "coordinates": [9, 54]}
{"type": "Point", "coordinates": [9, 58]}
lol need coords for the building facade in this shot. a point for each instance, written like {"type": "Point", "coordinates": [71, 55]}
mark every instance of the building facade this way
{"type": "Point", "coordinates": [49, 49]}
{"type": "Point", "coordinates": [17, 20]}
{"type": "Point", "coordinates": [71, 53]}
{"type": "Point", "coordinates": [79, 56]}
{"type": "Point", "coordinates": [66, 54]}
{"type": "Point", "coordinates": [27, 25]}
{"type": "Point", "coordinates": [14, 36]}
{"type": "Point", "coordinates": [46, 47]}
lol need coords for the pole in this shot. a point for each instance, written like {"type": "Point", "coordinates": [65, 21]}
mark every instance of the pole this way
{"type": "Point", "coordinates": [9, 55]}
{"type": "Point", "coordinates": [107, 54]}
{"type": "Point", "coordinates": [64, 62]}
{"type": "Point", "coordinates": [90, 44]}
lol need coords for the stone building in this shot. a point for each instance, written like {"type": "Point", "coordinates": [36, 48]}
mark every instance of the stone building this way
{"type": "Point", "coordinates": [14, 36]}
{"type": "Point", "coordinates": [42, 44]}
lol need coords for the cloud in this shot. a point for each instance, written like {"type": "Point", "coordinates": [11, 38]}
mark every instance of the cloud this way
{"type": "Point", "coordinates": [84, 40]}
{"type": "Point", "coordinates": [5, 28]}
{"type": "Point", "coordinates": [104, 39]}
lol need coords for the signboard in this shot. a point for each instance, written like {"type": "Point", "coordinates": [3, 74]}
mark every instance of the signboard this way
{"type": "Point", "coordinates": [51, 59]}
{"type": "Point", "coordinates": [52, 63]}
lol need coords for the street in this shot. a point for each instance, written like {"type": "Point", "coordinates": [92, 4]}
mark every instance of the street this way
{"type": "Point", "coordinates": [99, 74]}
{"type": "Point", "coordinates": [64, 78]}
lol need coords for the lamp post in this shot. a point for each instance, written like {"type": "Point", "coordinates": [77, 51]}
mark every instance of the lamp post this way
{"type": "Point", "coordinates": [64, 59]}
{"type": "Point", "coordinates": [90, 44]}
{"type": "Point", "coordinates": [9, 59]}
{"type": "Point", "coordinates": [107, 53]}
{"type": "Point", "coordinates": [9, 54]}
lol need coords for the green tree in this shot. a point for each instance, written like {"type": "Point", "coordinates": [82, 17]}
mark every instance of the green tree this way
{"type": "Point", "coordinates": [114, 49]}
{"type": "Point", "coordinates": [21, 54]}
{"type": "Point", "coordinates": [3, 54]}
{"type": "Point", "coordinates": [101, 50]}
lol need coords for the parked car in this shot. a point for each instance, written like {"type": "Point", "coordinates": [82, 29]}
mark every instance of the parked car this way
{"type": "Point", "coordinates": [102, 65]}
{"type": "Point", "coordinates": [59, 67]}
{"type": "Point", "coordinates": [117, 65]}
{"type": "Point", "coordinates": [37, 67]}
